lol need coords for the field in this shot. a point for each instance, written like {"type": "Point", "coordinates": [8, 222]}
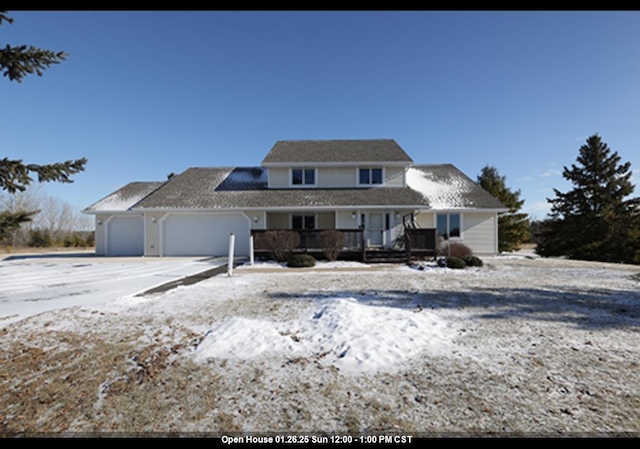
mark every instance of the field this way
{"type": "Point", "coordinates": [520, 347]}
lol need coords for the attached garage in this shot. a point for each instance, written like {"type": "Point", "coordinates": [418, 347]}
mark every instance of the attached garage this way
{"type": "Point", "coordinates": [204, 234]}
{"type": "Point", "coordinates": [125, 235]}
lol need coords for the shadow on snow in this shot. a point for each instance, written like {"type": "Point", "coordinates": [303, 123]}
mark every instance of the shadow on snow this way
{"type": "Point", "coordinates": [586, 309]}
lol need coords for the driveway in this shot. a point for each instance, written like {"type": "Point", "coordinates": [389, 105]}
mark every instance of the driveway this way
{"type": "Point", "coordinates": [35, 283]}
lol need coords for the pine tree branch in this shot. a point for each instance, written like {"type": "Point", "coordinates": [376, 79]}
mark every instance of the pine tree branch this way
{"type": "Point", "coordinates": [20, 61]}
{"type": "Point", "coordinates": [10, 221]}
{"type": "Point", "coordinates": [15, 175]}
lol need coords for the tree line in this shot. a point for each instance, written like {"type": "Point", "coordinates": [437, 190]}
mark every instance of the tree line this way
{"type": "Point", "coordinates": [55, 223]}
{"type": "Point", "coordinates": [597, 219]}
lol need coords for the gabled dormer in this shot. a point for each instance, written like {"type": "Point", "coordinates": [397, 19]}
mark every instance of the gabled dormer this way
{"type": "Point", "coordinates": [331, 164]}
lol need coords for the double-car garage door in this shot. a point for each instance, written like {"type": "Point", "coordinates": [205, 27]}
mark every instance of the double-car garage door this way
{"type": "Point", "coordinates": [204, 234]}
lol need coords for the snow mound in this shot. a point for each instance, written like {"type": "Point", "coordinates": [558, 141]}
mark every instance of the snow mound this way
{"type": "Point", "coordinates": [354, 336]}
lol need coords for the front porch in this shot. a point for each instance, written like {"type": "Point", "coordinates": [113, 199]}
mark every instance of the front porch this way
{"type": "Point", "coordinates": [413, 243]}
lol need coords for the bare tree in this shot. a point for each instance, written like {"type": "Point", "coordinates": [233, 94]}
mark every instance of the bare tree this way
{"type": "Point", "coordinates": [52, 217]}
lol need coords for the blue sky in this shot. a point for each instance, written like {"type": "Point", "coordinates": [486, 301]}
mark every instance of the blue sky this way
{"type": "Point", "coordinates": [144, 94]}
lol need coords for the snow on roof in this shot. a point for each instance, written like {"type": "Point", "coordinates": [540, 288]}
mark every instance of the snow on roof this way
{"type": "Point", "coordinates": [124, 198]}
{"type": "Point", "coordinates": [441, 193]}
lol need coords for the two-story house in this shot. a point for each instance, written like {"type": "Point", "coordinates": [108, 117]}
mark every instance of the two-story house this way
{"type": "Point", "coordinates": [367, 187]}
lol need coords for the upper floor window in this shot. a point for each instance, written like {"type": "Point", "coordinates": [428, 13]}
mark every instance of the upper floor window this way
{"type": "Point", "coordinates": [303, 177]}
{"type": "Point", "coordinates": [370, 176]}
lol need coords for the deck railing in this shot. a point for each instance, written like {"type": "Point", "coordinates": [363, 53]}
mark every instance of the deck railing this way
{"type": "Point", "coordinates": [310, 239]}
{"type": "Point", "coordinates": [422, 241]}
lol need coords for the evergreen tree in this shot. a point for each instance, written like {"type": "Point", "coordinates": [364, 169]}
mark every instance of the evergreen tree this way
{"type": "Point", "coordinates": [19, 61]}
{"type": "Point", "coordinates": [15, 63]}
{"type": "Point", "coordinates": [513, 227]}
{"type": "Point", "coordinates": [596, 220]}
{"type": "Point", "coordinates": [10, 221]}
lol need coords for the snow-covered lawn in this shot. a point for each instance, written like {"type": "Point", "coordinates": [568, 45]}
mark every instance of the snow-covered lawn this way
{"type": "Point", "coordinates": [523, 346]}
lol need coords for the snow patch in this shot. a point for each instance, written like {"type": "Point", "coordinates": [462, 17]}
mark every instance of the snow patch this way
{"type": "Point", "coordinates": [344, 332]}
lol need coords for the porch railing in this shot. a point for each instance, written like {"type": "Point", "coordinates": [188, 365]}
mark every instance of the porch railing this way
{"type": "Point", "coordinates": [422, 241]}
{"type": "Point", "coordinates": [310, 239]}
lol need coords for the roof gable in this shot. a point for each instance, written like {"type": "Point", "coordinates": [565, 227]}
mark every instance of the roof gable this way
{"type": "Point", "coordinates": [124, 198]}
{"type": "Point", "coordinates": [297, 152]}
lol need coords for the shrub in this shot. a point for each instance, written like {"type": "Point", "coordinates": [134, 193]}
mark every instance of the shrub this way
{"type": "Point", "coordinates": [455, 262]}
{"type": "Point", "coordinates": [280, 243]}
{"type": "Point", "coordinates": [301, 261]}
{"type": "Point", "coordinates": [74, 240]}
{"type": "Point", "coordinates": [91, 239]}
{"type": "Point", "coordinates": [332, 242]}
{"type": "Point", "coordinates": [472, 261]}
{"type": "Point", "coordinates": [453, 249]}
{"type": "Point", "coordinates": [40, 239]}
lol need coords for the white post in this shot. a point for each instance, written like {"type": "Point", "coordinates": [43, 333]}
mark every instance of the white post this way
{"type": "Point", "coordinates": [232, 243]}
{"type": "Point", "coordinates": [251, 250]}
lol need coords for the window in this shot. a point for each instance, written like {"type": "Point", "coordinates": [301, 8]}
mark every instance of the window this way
{"type": "Point", "coordinates": [370, 176]}
{"type": "Point", "coordinates": [303, 177]}
{"type": "Point", "coordinates": [303, 221]}
{"type": "Point", "coordinates": [448, 225]}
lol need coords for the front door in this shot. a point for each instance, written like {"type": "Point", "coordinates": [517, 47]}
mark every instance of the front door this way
{"type": "Point", "coordinates": [375, 229]}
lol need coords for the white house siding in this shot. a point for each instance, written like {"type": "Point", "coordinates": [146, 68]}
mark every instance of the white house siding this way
{"type": "Point", "coordinates": [394, 176]}
{"type": "Point", "coordinates": [478, 229]}
{"type": "Point", "coordinates": [335, 177]}
{"type": "Point", "coordinates": [152, 233]}
{"type": "Point", "coordinates": [277, 220]}
{"type": "Point", "coordinates": [258, 219]}
{"type": "Point", "coordinates": [479, 232]}
{"type": "Point", "coordinates": [279, 178]}
{"type": "Point", "coordinates": [426, 219]}
{"type": "Point", "coordinates": [204, 234]}
{"type": "Point", "coordinates": [101, 239]}
{"type": "Point", "coordinates": [325, 220]}
{"type": "Point", "coordinates": [345, 219]}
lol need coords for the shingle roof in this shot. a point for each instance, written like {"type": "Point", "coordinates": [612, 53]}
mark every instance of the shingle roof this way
{"type": "Point", "coordinates": [446, 187]}
{"type": "Point", "coordinates": [435, 186]}
{"type": "Point", "coordinates": [124, 198]}
{"type": "Point", "coordinates": [336, 151]}
{"type": "Point", "coordinates": [246, 187]}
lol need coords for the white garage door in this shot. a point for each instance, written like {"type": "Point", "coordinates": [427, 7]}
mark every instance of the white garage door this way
{"type": "Point", "coordinates": [204, 234]}
{"type": "Point", "coordinates": [125, 236]}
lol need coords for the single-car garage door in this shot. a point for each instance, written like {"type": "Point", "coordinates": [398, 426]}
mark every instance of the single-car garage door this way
{"type": "Point", "coordinates": [125, 236]}
{"type": "Point", "coordinates": [204, 234]}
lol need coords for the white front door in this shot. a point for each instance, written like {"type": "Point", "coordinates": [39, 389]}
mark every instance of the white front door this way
{"type": "Point", "coordinates": [375, 230]}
